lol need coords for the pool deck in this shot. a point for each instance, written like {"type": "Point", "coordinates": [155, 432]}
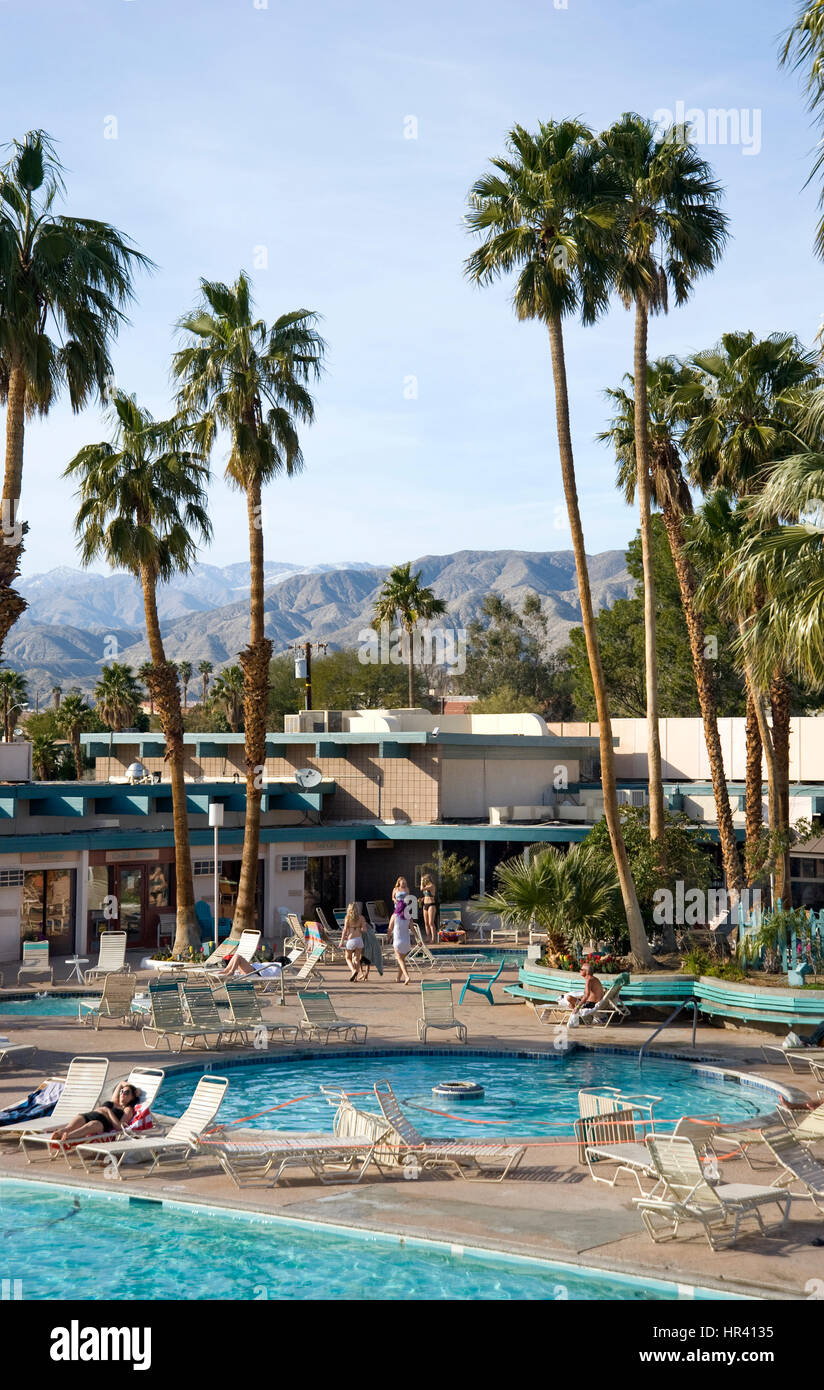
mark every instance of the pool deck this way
{"type": "Point", "coordinates": [548, 1208]}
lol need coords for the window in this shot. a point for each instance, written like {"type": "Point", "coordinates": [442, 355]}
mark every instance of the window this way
{"type": "Point", "coordinates": [48, 907]}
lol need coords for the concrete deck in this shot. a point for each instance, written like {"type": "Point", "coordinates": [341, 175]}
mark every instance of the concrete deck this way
{"type": "Point", "coordinates": [548, 1208]}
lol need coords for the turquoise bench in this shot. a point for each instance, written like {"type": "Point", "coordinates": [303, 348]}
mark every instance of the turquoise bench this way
{"type": "Point", "coordinates": [725, 999]}
{"type": "Point", "coordinates": [537, 983]}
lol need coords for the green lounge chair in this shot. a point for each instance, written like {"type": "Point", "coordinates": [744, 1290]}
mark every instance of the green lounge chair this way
{"type": "Point", "coordinates": [167, 1019]}
{"type": "Point", "coordinates": [320, 1018]}
{"type": "Point", "coordinates": [439, 1010]}
{"type": "Point", "coordinates": [244, 1007]}
{"type": "Point", "coordinates": [36, 960]}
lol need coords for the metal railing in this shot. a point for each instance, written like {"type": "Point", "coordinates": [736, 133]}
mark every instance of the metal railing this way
{"type": "Point", "coordinates": [686, 1003]}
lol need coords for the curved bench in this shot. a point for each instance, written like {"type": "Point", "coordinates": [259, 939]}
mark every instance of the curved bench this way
{"type": "Point", "coordinates": [538, 984]}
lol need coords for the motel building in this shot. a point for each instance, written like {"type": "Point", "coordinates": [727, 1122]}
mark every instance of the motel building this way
{"type": "Point", "coordinates": [394, 787]}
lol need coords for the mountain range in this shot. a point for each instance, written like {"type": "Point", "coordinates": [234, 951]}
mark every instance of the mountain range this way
{"type": "Point", "coordinates": [77, 620]}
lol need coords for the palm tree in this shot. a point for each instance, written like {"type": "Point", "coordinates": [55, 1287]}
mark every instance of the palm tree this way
{"type": "Point", "coordinates": [540, 212]}
{"type": "Point", "coordinates": [670, 231]}
{"type": "Point", "coordinates": [13, 696]}
{"type": "Point", "coordinates": [74, 717]}
{"type": "Point", "coordinates": [117, 696]}
{"type": "Point", "coordinates": [228, 691]}
{"type": "Point", "coordinates": [205, 669]}
{"type": "Point", "coordinates": [573, 896]}
{"type": "Point", "coordinates": [43, 756]}
{"type": "Point", "coordinates": [405, 600]}
{"type": "Point", "coordinates": [145, 671]}
{"type": "Point", "coordinates": [57, 692]}
{"type": "Point", "coordinates": [745, 419]}
{"type": "Point", "coordinates": [184, 670]}
{"type": "Point", "coordinates": [238, 375]}
{"type": "Point", "coordinates": [804, 49]}
{"type": "Point", "coordinates": [143, 509]}
{"type": "Point", "coordinates": [64, 283]}
{"type": "Point", "coordinates": [670, 492]}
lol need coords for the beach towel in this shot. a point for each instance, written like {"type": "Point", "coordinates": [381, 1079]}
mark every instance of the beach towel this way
{"type": "Point", "coordinates": [36, 1105]}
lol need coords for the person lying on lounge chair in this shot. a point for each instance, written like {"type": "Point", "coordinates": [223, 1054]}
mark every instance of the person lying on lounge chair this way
{"type": "Point", "coordinates": [592, 995]}
{"type": "Point", "coordinates": [114, 1114]}
{"type": "Point", "coordinates": [238, 966]}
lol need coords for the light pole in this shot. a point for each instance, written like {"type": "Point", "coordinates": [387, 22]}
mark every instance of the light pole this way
{"type": "Point", "coordinates": [216, 821]}
{"type": "Point", "coordinates": [7, 721]}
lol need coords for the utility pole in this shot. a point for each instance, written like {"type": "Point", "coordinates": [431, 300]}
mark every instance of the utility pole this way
{"type": "Point", "coordinates": [303, 667]}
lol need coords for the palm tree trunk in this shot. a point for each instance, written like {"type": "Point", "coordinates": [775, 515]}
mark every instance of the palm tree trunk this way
{"type": "Point", "coordinates": [730, 857]}
{"type": "Point", "coordinates": [164, 687]}
{"type": "Point", "coordinates": [78, 767]}
{"type": "Point", "coordinates": [655, 772]}
{"type": "Point", "coordinates": [411, 670]}
{"type": "Point", "coordinates": [12, 604]}
{"type": "Point", "coordinates": [780, 705]}
{"type": "Point", "coordinates": [254, 660]}
{"type": "Point", "coordinates": [753, 795]}
{"type": "Point", "coordinates": [768, 751]}
{"type": "Point", "coordinates": [639, 945]}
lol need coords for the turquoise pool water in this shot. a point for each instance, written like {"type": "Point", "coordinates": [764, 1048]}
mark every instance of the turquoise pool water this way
{"type": "Point", "coordinates": [523, 1096]}
{"type": "Point", "coordinates": [63, 1243]}
{"type": "Point", "coordinates": [46, 1006]}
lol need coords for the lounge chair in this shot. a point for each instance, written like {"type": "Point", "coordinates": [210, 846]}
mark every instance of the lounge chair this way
{"type": "Point", "coordinates": [146, 1080]}
{"type": "Point", "coordinates": [613, 1143]}
{"type": "Point", "coordinates": [309, 970]}
{"type": "Point", "coordinates": [268, 981]}
{"type": "Point", "coordinates": [800, 1167]}
{"type": "Point", "coordinates": [111, 957]}
{"type": "Point", "coordinates": [114, 1003]}
{"type": "Point", "coordinates": [512, 934]}
{"type": "Point", "coordinates": [438, 1009]}
{"type": "Point", "coordinates": [480, 984]}
{"type": "Point", "coordinates": [798, 1059]}
{"type": "Point", "coordinates": [36, 960]}
{"type": "Point", "coordinates": [204, 1015]}
{"type": "Point", "coordinates": [245, 1011]}
{"type": "Point", "coordinates": [605, 1012]}
{"type": "Point", "coordinates": [11, 1053]}
{"type": "Point", "coordinates": [245, 946]}
{"type": "Point", "coordinates": [180, 1139]}
{"type": "Point", "coordinates": [297, 930]}
{"type": "Point", "coordinates": [420, 955]}
{"type": "Point", "coordinates": [167, 1019]}
{"type": "Point", "coordinates": [319, 1017]}
{"type": "Point", "coordinates": [83, 1089]}
{"type": "Point", "coordinates": [332, 1159]}
{"type": "Point", "coordinates": [809, 1128]}
{"type": "Point", "coordinates": [688, 1196]}
{"type": "Point", "coordinates": [468, 1157]}
{"type": "Point", "coordinates": [377, 915]}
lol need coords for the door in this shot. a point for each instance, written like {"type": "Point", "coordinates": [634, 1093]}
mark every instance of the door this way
{"type": "Point", "coordinates": [324, 884]}
{"type": "Point", "coordinates": [142, 892]}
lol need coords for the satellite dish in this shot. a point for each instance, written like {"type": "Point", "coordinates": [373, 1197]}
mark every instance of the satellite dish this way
{"type": "Point", "coordinates": [308, 777]}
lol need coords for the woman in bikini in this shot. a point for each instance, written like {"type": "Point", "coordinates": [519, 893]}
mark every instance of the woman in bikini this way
{"type": "Point", "coordinates": [351, 939]}
{"type": "Point", "coordinates": [429, 903]}
{"type": "Point", "coordinates": [116, 1113]}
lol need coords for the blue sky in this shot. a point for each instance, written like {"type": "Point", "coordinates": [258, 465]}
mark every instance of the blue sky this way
{"type": "Point", "coordinates": [250, 132]}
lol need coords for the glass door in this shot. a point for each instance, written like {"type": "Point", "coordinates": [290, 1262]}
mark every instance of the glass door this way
{"type": "Point", "coordinates": [130, 891]}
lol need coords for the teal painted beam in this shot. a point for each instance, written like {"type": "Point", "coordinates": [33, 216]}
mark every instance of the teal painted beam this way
{"type": "Point", "coordinates": [207, 748]}
{"type": "Point", "coordinates": [8, 807]}
{"type": "Point", "coordinates": [386, 749]}
{"type": "Point", "coordinates": [150, 748]}
{"type": "Point", "coordinates": [58, 806]}
{"type": "Point", "coordinates": [326, 748]}
{"type": "Point", "coordinates": [197, 804]}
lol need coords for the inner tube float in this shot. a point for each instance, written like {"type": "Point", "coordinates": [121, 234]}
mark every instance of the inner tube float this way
{"type": "Point", "coordinates": [459, 1090]}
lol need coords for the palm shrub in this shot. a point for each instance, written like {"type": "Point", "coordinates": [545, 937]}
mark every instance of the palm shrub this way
{"type": "Point", "coordinates": [572, 896]}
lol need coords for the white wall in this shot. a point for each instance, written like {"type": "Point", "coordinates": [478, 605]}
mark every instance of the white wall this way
{"type": "Point", "coordinates": [469, 786]}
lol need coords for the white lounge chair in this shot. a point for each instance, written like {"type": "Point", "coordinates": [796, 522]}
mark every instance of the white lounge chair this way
{"type": "Point", "coordinates": [146, 1081]}
{"type": "Point", "coordinates": [85, 1080]}
{"type": "Point", "coordinates": [180, 1140]}
{"type": "Point", "coordinates": [687, 1196]}
{"type": "Point", "coordinates": [613, 1143]}
{"type": "Point", "coordinates": [420, 955]}
{"type": "Point", "coordinates": [491, 1160]}
{"type": "Point", "coordinates": [798, 1059]}
{"type": "Point", "coordinates": [36, 960]}
{"type": "Point", "coordinates": [439, 1010]}
{"type": "Point", "coordinates": [330, 1158]}
{"type": "Point", "coordinates": [606, 1010]}
{"type": "Point", "coordinates": [111, 957]}
{"type": "Point", "coordinates": [800, 1167]}
{"type": "Point", "coordinates": [114, 1003]}
{"type": "Point", "coordinates": [11, 1053]}
{"type": "Point", "coordinates": [309, 970]}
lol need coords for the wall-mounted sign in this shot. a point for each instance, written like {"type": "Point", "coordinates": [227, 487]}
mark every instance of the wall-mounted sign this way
{"type": "Point", "coordinates": [131, 856]}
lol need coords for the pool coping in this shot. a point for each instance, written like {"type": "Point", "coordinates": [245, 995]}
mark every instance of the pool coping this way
{"type": "Point", "coordinates": [495, 1254]}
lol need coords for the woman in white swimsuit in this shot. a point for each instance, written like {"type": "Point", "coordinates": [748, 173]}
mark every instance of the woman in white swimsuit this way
{"type": "Point", "coordinates": [399, 934]}
{"type": "Point", "coordinates": [351, 938]}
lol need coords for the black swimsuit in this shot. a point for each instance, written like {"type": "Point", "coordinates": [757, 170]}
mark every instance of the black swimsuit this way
{"type": "Point", "coordinates": [102, 1118]}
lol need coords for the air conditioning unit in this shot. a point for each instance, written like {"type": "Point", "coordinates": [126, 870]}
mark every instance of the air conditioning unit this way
{"type": "Point", "coordinates": [292, 863]}
{"type": "Point", "coordinates": [314, 721]}
{"type": "Point", "coordinates": [629, 796]}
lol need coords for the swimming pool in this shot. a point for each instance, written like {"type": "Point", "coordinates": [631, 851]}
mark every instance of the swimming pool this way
{"type": "Point", "coordinates": [524, 1095]}
{"type": "Point", "coordinates": [51, 1005]}
{"type": "Point", "coordinates": [62, 1242]}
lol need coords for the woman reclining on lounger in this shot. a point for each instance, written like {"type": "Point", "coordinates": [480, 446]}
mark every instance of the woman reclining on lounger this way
{"type": "Point", "coordinates": [114, 1114]}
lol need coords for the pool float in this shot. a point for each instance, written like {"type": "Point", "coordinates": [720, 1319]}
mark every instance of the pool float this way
{"type": "Point", "coordinates": [459, 1090]}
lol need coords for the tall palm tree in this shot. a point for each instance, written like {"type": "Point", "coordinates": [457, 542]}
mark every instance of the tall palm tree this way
{"type": "Point", "coordinates": [74, 717]}
{"type": "Point", "coordinates": [57, 693]}
{"type": "Point", "coordinates": [238, 375]}
{"type": "Point", "coordinates": [803, 50]}
{"type": "Point", "coordinates": [746, 418]}
{"type": "Point", "coordinates": [64, 283]}
{"type": "Point", "coordinates": [184, 670]}
{"type": "Point", "coordinates": [228, 691]}
{"type": "Point", "coordinates": [540, 212]}
{"type": "Point", "coordinates": [117, 696]}
{"type": "Point", "coordinates": [43, 756]}
{"type": "Point", "coordinates": [205, 669]}
{"type": "Point", "coordinates": [403, 599]}
{"type": "Point", "coordinates": [13, 695]}
{"type": "Point", "coordinates": [143, 509]}
{"type": "Point", "coordinates": [670, 492]}
{"type": "Point", "coordinates": [670, 231]}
